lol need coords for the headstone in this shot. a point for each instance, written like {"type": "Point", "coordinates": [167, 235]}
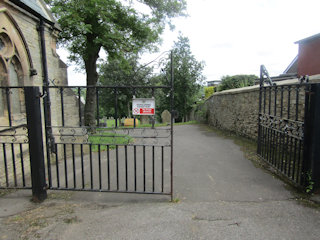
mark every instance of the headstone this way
{"type": "Point", "coordinates": [144, 119]}
{"type": "Point", "coordinates": [166, 116]}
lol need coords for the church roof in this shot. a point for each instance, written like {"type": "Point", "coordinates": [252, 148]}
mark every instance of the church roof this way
{"type": "Point", "coordinates": [37, 6]}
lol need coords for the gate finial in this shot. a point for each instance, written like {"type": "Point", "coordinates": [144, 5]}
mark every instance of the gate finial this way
{"type": "Point", "coordinates": [264, 72]}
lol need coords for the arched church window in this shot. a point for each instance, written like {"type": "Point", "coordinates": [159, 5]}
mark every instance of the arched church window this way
{"type": "Point", "coordinates": [11, 74]}
{"type": "Point", "coordinates": [14, 81]}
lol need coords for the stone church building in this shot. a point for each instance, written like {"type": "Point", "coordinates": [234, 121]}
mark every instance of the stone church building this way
{"type": "Point", "coordinates": [28, 38]}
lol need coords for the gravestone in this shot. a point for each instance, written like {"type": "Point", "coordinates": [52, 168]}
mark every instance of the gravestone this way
{"type": "Point", "coordinates": [166, 116]}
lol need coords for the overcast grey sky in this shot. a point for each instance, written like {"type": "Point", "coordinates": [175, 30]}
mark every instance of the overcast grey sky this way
{"type": "Point", "coordinates": [236, 37]}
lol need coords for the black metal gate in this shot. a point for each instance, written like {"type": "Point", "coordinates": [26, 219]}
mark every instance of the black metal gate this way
{"type": "Point", "coordinates": [286, 124]}
{"type": "Point", "coordinates": [14, 148]}
{"type": "Point", "coordinates": [109, 156]}
{"type": "Point", "coordinates": [118, 153]}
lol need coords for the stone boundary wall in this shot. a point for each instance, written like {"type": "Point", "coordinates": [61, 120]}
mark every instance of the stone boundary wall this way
{"type": "Point", "coordinates": [236, 110]}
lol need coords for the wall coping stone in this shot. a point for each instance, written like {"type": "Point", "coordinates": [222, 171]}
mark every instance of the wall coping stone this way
{"type": "Point", "coordinates": [313, 79]}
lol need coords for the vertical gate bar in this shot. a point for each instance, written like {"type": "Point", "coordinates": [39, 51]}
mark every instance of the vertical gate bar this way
{"type": "Point", "coordinates": [134, 116]}
{"type": "Point", "coordinates": [268, 143]}
{"type": "Point", "coordinates": [82, 165]}
{"type": "Point", "coordinates": [287, 141]}
{"type": "Point", "coordinates": [8, 106]}
{"type": "Point", "coordinates": [65, 165]}
{"type": "Point", "coordinates": [144, 168]}
{"type": "Point", "coordinates": [117, 166]}
{"type": "Point", "coordinates": [275, 100]}
{"type": "Point", "coordinates": [57, 166]}
{"type": "Point", "coordinates": [49, 139]}
{"type": "Point", "coordinates": [126, 164]}
{"type": "Point", "coordinates": [289, 100]}
{"type": "Point", "coordinates": [306, 137]}
{"type": "Point", "coordinates": [34, 122]}
{"type": "Point", "coordinates": [294, 160]}
{"type": "Point", "coordinates": [259, 148]}
{"type": "Point", "coordinates": [287, 155]}
{"type": "Point", "coordinates": [48, 160]}
{"type": "Point", "coordinates": [295, 140]}
{"type": "Point", "coordinates": [62, 106]}
{"type": "Point", "coordinates": [74, 167]}
{"type": "Point", "coordinates": [63, 124]}
{"type": "Point", "coordinates": [14, 165]}
{"type": "Point", "coordinates": [162, 169]}
{"type": "Point", "coordinates": [274, 145]}
{"type": "Point", "coordinates": [50, 147]}
{"type": "Point", "coordinates": [90, 162]}
{"type": "Point", "coordinates": [259, 123]}
{"type": "Point", "coordinates": [79, 108]}
{"type": "Point", "coordinates": [264, 142]}
{"type": "Point", "coordinates": [97, 102]}
{"type": "Point", "coordinates": [279, 150]}
{"type": "Point", "coordinates": [297, 102]}
{"type": "Point", "coordinates": [276, 138]}
{"type": "Point", "coordinates": [153, 168]}
{"type": "Point", "coordinates": [108, 162]}
{"type": "Point", "coordinates": [299, 167]}
{"type": "Point", "coordinates": [135, 167]}
{"type": "Point", "coordinates": [261, 141]}
{"type": "Point", "coordinates": [22, 166]}
{"type": "Point", "coordinates": [99, 163]}
{"type": "Point", "coordinates": [264, 99]}
{"type": "Point", "coordinates": [290, 157]}
{"type": "Point", "coordinates": [171, 130]}
{"type": "Point", "coordinates": [116, 107]}
{"type": "Point", "coordinates": [270, 96]}
{"type": "Point", "coordinates": [283, 150]}
{"type": "Point", "coordinates": [5, 163]}
{"type": "Point", "coordinates": [281, 102]}
{"type": "Point", "coordinates": [153, 120]}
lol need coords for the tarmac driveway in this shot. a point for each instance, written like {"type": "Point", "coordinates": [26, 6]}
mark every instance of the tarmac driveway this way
{"type": "Point", "coordinates": [219, 194]}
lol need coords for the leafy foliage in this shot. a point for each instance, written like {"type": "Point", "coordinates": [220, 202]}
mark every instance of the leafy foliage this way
{"type": "Point", "coordinates": [208, 91]}
{"type": "Point", "coordinates": [113, 25]}
{"type": "Point", "coordinates": [236, 81]}
{"type": "Point", "coordinates": [187, 79]}
{"type": "Point", "coordinates": [121, 72]}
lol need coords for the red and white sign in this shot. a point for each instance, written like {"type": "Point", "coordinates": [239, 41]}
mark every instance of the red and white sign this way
{"type": "Point", "coordinates": [143, 106]}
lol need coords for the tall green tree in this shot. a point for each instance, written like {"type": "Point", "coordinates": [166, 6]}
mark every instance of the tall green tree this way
{"type": "Point", "coordinates": [236, 81]}
{"type": "Point", "coordinates": [119, 72]}
{"type": "Point", "coordinates": [117, 26]}
{"type": "Point", "coordinates": [188, 78]}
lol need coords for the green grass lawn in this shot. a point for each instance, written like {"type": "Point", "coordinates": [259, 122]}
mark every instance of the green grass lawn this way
{"type": "Point", "coordinates": [105, 136]}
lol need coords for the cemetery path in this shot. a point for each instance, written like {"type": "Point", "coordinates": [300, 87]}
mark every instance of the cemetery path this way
{"type": "Point", "coordinates": [219, 195]}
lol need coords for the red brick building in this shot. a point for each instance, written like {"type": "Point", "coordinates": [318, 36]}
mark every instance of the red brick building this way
{"type": "Point", "coordinates": [309, 56]}
{"type": "Point", "coordinates": [308, 60]}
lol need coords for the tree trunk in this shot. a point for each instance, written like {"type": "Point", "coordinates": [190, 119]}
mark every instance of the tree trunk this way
{"type": "Point", "coordinates": [92, 78]}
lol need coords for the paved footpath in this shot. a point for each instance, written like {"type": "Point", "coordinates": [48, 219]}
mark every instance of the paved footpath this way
{"type": "Point", "coordinates": [222, 196]}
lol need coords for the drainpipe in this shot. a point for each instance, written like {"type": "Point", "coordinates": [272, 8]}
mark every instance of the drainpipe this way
{"type": "Point", "coordinates": [46, 92]}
